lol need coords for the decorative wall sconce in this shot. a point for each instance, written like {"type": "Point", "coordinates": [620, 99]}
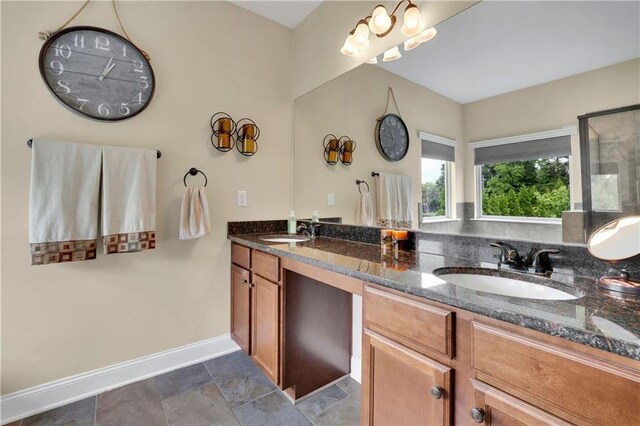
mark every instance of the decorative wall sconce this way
{"type": "Point", "coordinates": [248, 134]}
{"type": "Point", "coordinates": [347, 146]}
{"type": "Point", "coordinates": [223, 130]}
{"type": "Point", "coordinates": [331, 149]}
{"type": "Point", "coordinates": [381, 23]}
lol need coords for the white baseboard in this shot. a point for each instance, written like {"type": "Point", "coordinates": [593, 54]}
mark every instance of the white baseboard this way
{"type": "Point", "coordinates": [24, 403]}
{"type": "Point", "coordinates": [356, 369]}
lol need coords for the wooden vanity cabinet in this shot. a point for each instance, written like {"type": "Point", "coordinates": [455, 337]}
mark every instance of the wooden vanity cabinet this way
{"type": "Point", "coordinates": [256, 307]}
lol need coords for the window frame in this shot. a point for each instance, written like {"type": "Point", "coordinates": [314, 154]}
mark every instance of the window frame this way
{"type": "Point", "coordinates": [448, 186]}
{"type": "Point", "coordinates": [565, 131]}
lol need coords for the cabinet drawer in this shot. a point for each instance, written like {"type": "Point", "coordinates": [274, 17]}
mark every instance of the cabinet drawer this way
{"type": "Point", "coordinates": [586, 388]}
{"type": "Point", "coordinates": [241, 256]}
{"type": "Point", "coordinates": [266, 265]}
{"type": "Point", "coordinates": [419, 326]}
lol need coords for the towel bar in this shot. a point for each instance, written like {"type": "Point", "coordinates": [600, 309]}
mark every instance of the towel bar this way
{"type": "Point", "coordinates": [375, 174]}
{"type": "Point", "coordinates": [30, 143]}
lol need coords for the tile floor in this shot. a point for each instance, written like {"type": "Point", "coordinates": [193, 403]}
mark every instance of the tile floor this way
{"type": "Point", "coordinates": [229, 390]}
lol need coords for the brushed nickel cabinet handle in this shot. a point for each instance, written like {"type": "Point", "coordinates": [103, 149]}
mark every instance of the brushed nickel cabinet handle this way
{"type": "Point", "coordinates": [477, 414]}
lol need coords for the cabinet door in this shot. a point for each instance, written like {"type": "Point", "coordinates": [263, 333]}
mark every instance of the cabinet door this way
{"type": "Point", "coordinates": [265, 341]}
{"type": "Point", "coordinates": [401, 386]}
{"type": "Point", "coordinates": [240, 307]}
{"type": "Point", "coordinates": [494, 407]}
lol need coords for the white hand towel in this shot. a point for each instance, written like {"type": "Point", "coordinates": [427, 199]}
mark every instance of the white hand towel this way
{"type": "Point", "coordinates": [128, 199]}
{"type": "Point", "coordinates": [194, 215]}
{"type": "Point", "coordinates": [63, 201]}
{"type": "Point", "coordinates": [364, 210]}
{"type": "Point", "coordinates": [394, 195]}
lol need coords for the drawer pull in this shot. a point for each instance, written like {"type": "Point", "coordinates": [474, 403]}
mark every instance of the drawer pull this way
{"type": "Point", "coordinates": [437, 392]}
{"type": "Point", "coordinates": [477, 414]}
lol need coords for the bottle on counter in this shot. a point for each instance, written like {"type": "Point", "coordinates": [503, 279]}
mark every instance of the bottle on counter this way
{"type": "Point", "coordinates": [315, 218]}
{"type": "Point", "coordinates": [292, 222]}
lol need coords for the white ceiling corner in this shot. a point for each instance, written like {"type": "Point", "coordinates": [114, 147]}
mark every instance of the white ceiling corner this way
{"type": "Point", "coordinates": [288, 12]}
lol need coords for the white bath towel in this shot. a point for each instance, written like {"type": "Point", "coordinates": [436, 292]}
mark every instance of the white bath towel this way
{"type": "Point", "coordinates": [128, 199]}
{"type": "Point", "coordinates": [364, 209]}
{"type": "Point", "coordinates": [63, 201]}
{"type": "Point", "coordinates": [194, 215]}
{"type": "Point", "coordinates": [394, 193]}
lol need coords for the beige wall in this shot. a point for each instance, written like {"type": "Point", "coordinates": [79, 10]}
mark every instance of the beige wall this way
{"type": "Point", "coordinates": [550, 106]}
{"type": "Point", "coordinates": [349, 105]}
{"type": "Point", "coordinates": [318, 39]}
{"type": "Point", "coordinates": [61, 320]}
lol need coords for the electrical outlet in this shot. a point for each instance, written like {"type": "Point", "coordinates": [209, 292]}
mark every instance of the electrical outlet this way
{"type": "Point", "coordinates": [242, 199]}
{"type": "Point", "coordinates": [331, 199]}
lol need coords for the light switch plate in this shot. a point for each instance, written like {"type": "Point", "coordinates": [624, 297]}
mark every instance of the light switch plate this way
{"type": "Point", "coordinates": [242, 199]}
{"type": "Point", "coordinates": [331, 199]}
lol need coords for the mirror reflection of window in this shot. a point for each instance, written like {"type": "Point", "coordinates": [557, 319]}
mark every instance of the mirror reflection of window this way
{"type": "Point", "coordinates": [438, 157]}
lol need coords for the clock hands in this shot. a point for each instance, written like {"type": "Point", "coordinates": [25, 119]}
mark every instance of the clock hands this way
{"type": "Point", "coordinates": [107, 69]}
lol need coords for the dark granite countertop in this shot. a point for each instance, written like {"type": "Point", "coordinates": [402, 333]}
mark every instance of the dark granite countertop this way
{"type": "Point", "coordinates": [596, 319]}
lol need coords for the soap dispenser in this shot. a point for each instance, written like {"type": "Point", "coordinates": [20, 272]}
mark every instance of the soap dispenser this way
{"type": "Point", "coordinates": [292, 222]}
{"type": "Point", "coordinates": [315, 218]}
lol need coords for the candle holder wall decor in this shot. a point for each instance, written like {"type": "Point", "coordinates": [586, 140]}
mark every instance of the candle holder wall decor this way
{"type": "Point", "coordinates": [331, 146]}
{"type": "Point", "coordinates": [223, 130]}
{"type": "Point", "coordinates": [347, 146]}
{"type": "Point", "coordinates": [247, 137]}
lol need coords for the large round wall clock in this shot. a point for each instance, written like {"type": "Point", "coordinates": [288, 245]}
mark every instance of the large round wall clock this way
{"type": "Point", "coordinates": [97, 73]}
{"type": "Point", "coordinates": [392, 137]}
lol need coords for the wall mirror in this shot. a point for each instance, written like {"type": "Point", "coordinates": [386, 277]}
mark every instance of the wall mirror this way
{"type": "Point", "coordinates": [491, 105]}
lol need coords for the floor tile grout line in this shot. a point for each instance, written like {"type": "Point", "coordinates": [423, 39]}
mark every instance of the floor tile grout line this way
{"type": "Point", "coordinates": [329, 407]}
{"type": "Point", "coordinates": [164, 413]}
{"type": "Point", "coordinates": [221, 394]}
{"type": "Point", "coordinates": [95, 411]}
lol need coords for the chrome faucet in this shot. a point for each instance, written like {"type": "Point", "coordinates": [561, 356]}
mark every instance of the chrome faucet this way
{"type": "Point", "coordinates": [309, 229]}
{"type": "Point", "coordinates": [536, 261]}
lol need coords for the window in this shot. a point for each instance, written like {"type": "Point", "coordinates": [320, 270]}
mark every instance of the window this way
{"type": "Point", "coordinates": [528, 178]}
{"type": "Point", "coordinates": [437, 158]}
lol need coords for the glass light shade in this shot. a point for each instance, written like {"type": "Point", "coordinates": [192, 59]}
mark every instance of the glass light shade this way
{"type": "Point", "coordinates": [373, 60]}
{"type": "Point", "coordinates": [380, 21]}
{"type": "Point", "coordinates": [412, 24]}
{"type": "Point", "coordinates": [412, 43]}
{"type": "Point", "coordinates": [426, 35]}
{"type": "Point", "coordinates": [348, 48]}
{"type": "Point", "coordinates": [391, 54]}
{"type": "Point", "coordinates": [361, 35]}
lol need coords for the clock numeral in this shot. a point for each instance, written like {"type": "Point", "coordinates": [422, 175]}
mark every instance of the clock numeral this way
{"type": "Point", "coordinates": [63, 87]}
{"type": "Point", "coordinates": [137, 66]}
{"type": "Point", "coordinates": [138, 98]}
{"type": "Point", "coordinates": [102, 43]}
{"type": "Point", "coordinates": [103, 109]}
{"type": "Point", "coordinates": [124, 109]}
{"type": "Point", "coordinates": [62, 50]}
{"type": "Point", "coordinates": [78, 41]}
{"type": "Point", "coordinates": [124, 50]}
{"type": "Point", "coordinates": [56, 67]}
{"type": "Point", "coordinates": [82, 103]}
{"type": "Point", "coordinates": [143, 83]}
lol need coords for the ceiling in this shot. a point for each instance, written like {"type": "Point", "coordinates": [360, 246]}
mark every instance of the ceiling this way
{"type": "Point", "coordinates": [288, 13]}
{"type": "Point", "coordinates": [497, 47]}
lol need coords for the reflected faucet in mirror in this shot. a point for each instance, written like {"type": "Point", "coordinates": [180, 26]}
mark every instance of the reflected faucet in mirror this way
{"type": "Point", "coordinates": [615, 241]}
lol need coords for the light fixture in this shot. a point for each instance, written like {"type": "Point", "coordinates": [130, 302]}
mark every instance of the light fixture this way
{"type": "Point", "coordinates": [373, 60]}
{"type": "Point", "coordinates": [426, 35]}
{"type": "Point", "coordinates": [380, 22]}
{"type": "Point", "coordinates": [391, 54]}
{"type": "Point", "coordinates": [361, 35]}
{"type": "Point", "coordinates": [348, 48]}
{"type": "Point", "coordinates": [410, 44]}
{"type": "Point", "coordinates": [412, 24]}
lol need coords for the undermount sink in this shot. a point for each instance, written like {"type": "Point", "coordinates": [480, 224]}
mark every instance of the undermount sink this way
{"type": "Point", "coordinates": [506, 284]}
{"type": "Point", "coordinates": [285, 238]}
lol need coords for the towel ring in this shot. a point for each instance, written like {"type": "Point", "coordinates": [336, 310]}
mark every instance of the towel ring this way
{"type": "Point", "coordinates": [359, 182]}
{"type": "Point", "coordinates": [193, 171]}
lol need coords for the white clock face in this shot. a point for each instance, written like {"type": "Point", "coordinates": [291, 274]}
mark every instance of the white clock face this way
{"type": "Point", "coordinates": [97, 73]}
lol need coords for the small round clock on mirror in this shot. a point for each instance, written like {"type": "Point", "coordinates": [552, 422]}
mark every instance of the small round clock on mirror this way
{"type": "Point", "coordinates": [392, 137]}
{"type": "Point", "coordinates": [97, 73]}
{"type": "Point", "coordinates": [615, 241]}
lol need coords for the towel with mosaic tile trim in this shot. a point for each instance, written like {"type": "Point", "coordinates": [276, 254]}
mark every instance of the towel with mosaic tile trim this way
{"type": "Point", "coordinates": [128, 199]}
{"type": "Point", "coordinates": [63, 201]}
